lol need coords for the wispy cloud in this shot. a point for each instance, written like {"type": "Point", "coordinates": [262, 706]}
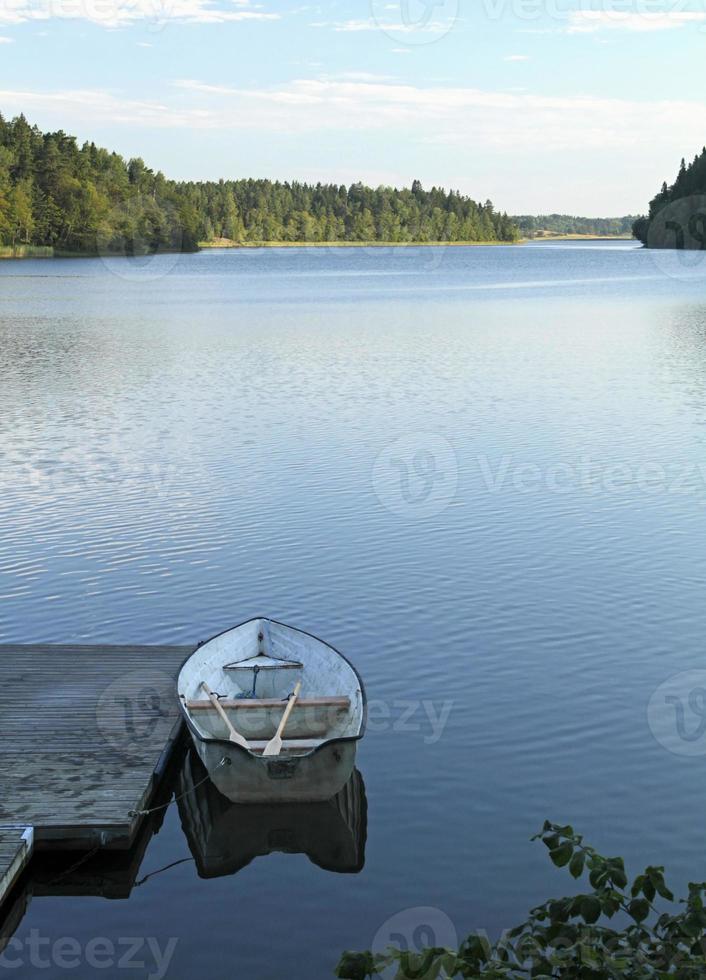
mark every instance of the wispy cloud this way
{"type": "Point", "coordinates": [393, 27]}
{"type": "Point", "coordinates": [6, 40]}
{"type": "Point", "coordinates": [516, 57]}
{"type": "Point", "coordinates": [591, 21]}
{"type": "Point", "coordinates": [468, 118]}
{"type": "Point", "coordinates": [119, 13]}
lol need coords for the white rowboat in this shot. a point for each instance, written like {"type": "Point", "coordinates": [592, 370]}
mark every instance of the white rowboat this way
{"type": "Point", "coordinates": [237, 691]}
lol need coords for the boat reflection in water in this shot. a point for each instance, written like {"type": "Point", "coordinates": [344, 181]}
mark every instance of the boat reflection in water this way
{"type": "Point", "coordinates": [225, 837]}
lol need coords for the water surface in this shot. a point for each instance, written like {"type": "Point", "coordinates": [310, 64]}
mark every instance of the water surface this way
{"type": "Point", "coordinates": [479, 472]}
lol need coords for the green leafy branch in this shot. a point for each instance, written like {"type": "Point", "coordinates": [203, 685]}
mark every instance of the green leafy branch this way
{"type": "Point", "coordinates": [572, 937]}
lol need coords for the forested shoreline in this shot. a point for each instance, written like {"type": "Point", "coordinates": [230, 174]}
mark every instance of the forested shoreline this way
{"type": "Point", "coordinates": [547, 225]}
{"type": "Point", "coordinates": [87, 200]}
{"type": "Point", "coordinates": [677, 215]}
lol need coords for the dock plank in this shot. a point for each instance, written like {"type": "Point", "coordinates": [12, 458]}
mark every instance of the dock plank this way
{"type": "Point", "coordinates": [85, 732]}
{"type": "Point", "coordinates": [15, 851]}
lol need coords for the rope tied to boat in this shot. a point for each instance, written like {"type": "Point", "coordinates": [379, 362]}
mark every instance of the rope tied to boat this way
{"type": "Point", "coordinates": [225, 761]}
{"type": "Point", "coordinates": [248, 695]}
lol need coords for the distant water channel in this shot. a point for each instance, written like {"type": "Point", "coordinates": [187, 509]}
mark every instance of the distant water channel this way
{"type": "Point", "coordinates": [478, 472]}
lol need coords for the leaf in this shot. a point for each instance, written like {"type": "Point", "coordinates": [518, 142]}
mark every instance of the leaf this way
{"type": "Point", "coordinates": [590, 909]}
{"type": "Point", "coordinates": [355, 966]}
{"type": "Point", "coordinates": [639, 909]}
{"type": "Point", "coordinates": [562, 855]}
{"type": "Point", "coordinates": [576, 864]}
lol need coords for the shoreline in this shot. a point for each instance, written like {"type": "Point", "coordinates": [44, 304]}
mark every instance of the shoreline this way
{"type": "Point", "coordinates": [229, 243]}
{"type": "Point", "coordinates": [48, 252]}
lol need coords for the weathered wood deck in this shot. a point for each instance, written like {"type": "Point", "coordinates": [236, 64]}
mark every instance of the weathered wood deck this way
{"type": "Point", "coordinates": [85, 735]}
{"type": "Point", "coordinates": [15, 852]}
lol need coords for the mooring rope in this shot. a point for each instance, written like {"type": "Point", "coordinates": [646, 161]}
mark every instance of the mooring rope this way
{"type": "Point", "coordinates": [163, 806]}
{"type": "Point", "coordinates": [77, 864]}
{"type": "Point", "coordinates": [160, 870]}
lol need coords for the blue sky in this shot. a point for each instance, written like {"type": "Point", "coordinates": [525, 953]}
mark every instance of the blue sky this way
{"type": "Point", "coordinates": [540, 105]}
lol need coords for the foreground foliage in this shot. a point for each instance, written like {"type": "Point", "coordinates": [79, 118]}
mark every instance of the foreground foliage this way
{"type": "Point", "coordinates": [612, 931]}
{"type": "Point", "coordinates": [87, 200]}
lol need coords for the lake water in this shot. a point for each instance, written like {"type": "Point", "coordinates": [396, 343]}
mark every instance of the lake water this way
{"type": "Point", "coordinates": [478, 472]}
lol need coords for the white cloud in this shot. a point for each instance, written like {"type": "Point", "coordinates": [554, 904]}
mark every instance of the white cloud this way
{"type": "Point", "coordinates": [118, 13]}
{"type": "Point", "coordinates": [591, 21]}
{"type": "Point", "coordinates": [393, 27]}
{"type": "Point", "coordinates": [467, 118]}
{"type": "Point", "coordinates": [516, 57]}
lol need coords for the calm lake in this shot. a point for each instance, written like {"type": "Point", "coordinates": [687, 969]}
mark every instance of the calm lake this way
{"type": "Point", "coordinates": [479, 472]}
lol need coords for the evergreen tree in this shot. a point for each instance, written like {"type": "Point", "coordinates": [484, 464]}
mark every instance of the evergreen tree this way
{"type": "Point", "coordinates": [86, 199]}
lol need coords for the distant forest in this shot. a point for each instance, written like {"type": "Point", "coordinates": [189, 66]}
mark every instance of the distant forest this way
{"type": "Point", "coordinates": [537, 226]}
{"type": "Point", "coordinates": [677, 215]}
{"type": "Point", "coordinates": [83, 199]}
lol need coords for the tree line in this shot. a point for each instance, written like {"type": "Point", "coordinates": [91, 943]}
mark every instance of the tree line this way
{"type": "Point", "coordinates": [677, 215]}
{"type": "Point", "coordinates": [537, 225]}
{"type": "Point", "coordinates": [87, 200]}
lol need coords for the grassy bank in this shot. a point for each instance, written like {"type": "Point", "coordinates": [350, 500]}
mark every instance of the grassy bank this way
{"type": "Point", "coordinates": [26, 252]}
{"type": "Point", "coordinates": [229, 243]}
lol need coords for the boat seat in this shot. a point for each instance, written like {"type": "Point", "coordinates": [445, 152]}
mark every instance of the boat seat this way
{"type": "Point", "coordinates": [245, 704]}
{"type": "Point", "coordinates": [288, 744]}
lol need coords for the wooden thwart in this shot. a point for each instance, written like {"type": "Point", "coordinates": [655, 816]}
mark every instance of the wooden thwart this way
{"type": "Point", "coordinates": [245, 704]}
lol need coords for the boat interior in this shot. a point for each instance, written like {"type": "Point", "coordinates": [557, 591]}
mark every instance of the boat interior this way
{"type": "Point", "coordinates": [252, 670]}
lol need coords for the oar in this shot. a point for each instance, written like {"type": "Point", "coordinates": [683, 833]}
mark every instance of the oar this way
{"type": "Point", "coordinates": [274, 746]}
{"type": "Point", "coordinates": [234, 735]}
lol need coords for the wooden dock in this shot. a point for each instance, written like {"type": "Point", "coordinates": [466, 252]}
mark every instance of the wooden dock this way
{"type": "Point", "coordinates": [85, 735]}
{"type": "Point", "coordinates": [16, 845]}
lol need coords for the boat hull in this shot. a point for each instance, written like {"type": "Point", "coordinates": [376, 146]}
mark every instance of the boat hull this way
{"type": "Point", "coordinates": [224, 837]}
{"type": "Point", "coordinates": [252, 670]}
{"type": "Point", "coordinates": [246, 778]}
